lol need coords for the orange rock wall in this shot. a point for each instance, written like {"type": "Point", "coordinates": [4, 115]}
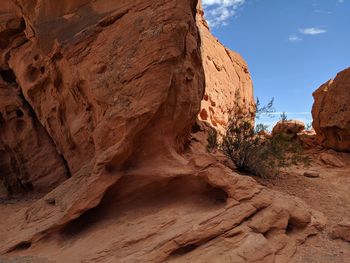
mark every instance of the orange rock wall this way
{"type": "Point", "coordinates": [331, 112]}
{"type": "Point", "coordinates": [82, 69]}
{"type": "Point", "coordinates": [229, 88]}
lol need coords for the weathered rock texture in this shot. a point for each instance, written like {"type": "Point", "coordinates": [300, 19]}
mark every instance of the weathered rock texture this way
{"type": "Point", "coordinates": [28, 156]}
{"type": "Point", "coordinates": [229, 88]}
{"type": "Point", "coordinates": [108, 92]}
{"type": "Point", "coordinates": [331, 112]}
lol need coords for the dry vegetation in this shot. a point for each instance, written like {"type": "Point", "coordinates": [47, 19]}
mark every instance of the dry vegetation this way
{"type": "Point", "coordinates": [254, 153]}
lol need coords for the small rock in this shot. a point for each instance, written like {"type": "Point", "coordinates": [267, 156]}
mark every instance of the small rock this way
{"type": "Point", "coordinates": [311, 174]}
{"type": "Point", "coordinates": [341, 231]}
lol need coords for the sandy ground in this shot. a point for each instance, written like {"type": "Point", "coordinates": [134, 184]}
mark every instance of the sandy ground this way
{"type": "Point", "coordinates": [329, 194]}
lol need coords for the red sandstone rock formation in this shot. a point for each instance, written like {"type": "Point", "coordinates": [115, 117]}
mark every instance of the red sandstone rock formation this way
{"type": "Point", "coordinates": [27, 152]}
{"type": "Point", "coordinates": [331, 115]}
{"type": "Point", "coordinates": [109, 92]}
{"type": "Point", "coordinates": [228, 88]}
{"type": "Point", "coordinates": [288, 128]}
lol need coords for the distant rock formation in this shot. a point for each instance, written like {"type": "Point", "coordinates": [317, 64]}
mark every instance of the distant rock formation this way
{"type": "Point", "coordinates": [331, 112]}
{"type": "Point", "coordinates": [107, 93]}
{"type": "Point", "coordinates": [288, 128]}
{"type": "Point", "coordinates": [228, 88]}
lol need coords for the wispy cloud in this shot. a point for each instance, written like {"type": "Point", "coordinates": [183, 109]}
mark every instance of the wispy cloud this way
{"type": "Point", "coordinates": [340, 1]}
{"type": "Point", "coordinates": [288, 113]}
{"type": "Point", "coordinates": [318, 11]}
{"type": "Point", "coordinates": [217, 12]}
{"type": "Point", "coordinates": [294, 38]}
{"type": "Point", "coordinates": [312, 31]}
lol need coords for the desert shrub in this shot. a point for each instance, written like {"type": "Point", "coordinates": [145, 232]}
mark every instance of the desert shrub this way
{"type": "Point", "coordinates": [286, 151]}
{"type": "Point", "coordinates": [212, 140]}
{"type": "Point", "coordinates": [239, 143]}
{"type": "Point", "coordinates": [308, 126]}
{"type": "Point", "coordinates": [257, 155]}
{"type": "Point", "coordinates": [283, 117]}
{"type": "Point", "coordinates": [260, 127]}
{"type": "Point", "coordinates": [267, 109]}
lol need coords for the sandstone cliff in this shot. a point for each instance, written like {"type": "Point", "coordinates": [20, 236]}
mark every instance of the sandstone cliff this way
{"type": "Point", "coordinates": [229, 88]}
{"type": "Point", "coordinates": [331, 112]}
{"type": "Point", "coordinates": [102, 96]}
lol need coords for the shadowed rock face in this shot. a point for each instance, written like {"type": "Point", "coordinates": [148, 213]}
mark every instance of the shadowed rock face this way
{"type": "Point", "coordinates": [106, 93]}
{"type": "Point", "coordinates": [331, 112]}
{"type": "Point", "coordinates": [28, 157]}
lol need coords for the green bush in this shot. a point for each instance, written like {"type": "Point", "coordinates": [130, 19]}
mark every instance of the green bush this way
{"type": "Point", "coordinates": [257, 155]}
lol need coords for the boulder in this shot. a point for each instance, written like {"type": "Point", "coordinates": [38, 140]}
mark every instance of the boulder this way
{"type": "Point", "coordinates": [341, 231]}
{"type": "Point", "coordinates": [312, 174]}
{"type": "Point", "coordinates": [288, 128]}
{"type": "Point", "coordinates": [308, 138]}
{"type": "Point", "coordinates": [331, 112]}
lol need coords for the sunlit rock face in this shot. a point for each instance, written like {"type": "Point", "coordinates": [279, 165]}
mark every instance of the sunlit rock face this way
{"type": "Point", "coordinates": [98, 101]}
{"type": "Point", "coordinates": [228, 85]}
{"type": "Point", "coordinates": [86, 82]}
{"type": "Point", "coordinates": [331, 112]}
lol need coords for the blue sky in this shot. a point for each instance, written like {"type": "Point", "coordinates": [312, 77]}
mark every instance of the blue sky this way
{"type": "Point", "coordinates": [291, 47]}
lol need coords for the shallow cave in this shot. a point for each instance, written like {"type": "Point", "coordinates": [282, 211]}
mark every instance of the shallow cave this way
{"type": "Point", "coordinates": [142, 197]}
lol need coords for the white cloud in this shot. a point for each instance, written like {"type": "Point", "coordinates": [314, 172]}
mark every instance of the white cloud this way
{"type": "Point", "coordinates": [340, 1]}
{"type": "Point", "coordinates": [312, 31]}
{"type": "Point", "coordinates": [217, 12]}
{"type": "Point", "coordinates": [288, 113]}
{"type": "Point", "coordinates": [294, 38]}
{"type": "Point", "coordinates": [322, 12]}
